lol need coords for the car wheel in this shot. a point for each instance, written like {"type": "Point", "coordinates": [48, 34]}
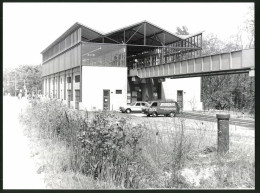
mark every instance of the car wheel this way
{"type": "Point", "coordinates": [148, 115]}
{"type": "Point", "coordinates": [128, 111]}
{"type": "Point", "coordinates": [154, 114]}
{"type": "Point", "coordinates": [172, 114]}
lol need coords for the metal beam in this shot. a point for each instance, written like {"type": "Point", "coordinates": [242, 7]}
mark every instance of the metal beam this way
{"type": "Point", "coordinates": [185, 40]}
{"type": "Point", "coordinates": [134, 33]}
{"type": "Point", "coordinates": [124, 36]}
{"type": "Point", "coordinates": [147, 37]}
{"type": "Point", "coordinates": [112, 39]}
{"type": "Point", "coordinates": [155, 35]}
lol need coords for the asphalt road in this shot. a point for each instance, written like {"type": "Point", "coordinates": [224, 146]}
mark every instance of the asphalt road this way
{"type": "Point", "coordinates": [210, 118]}
{"type": "Point", "coordinates": [232, 121]}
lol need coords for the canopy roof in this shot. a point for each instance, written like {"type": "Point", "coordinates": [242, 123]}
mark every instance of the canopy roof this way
{"type": "Point", "coordinates": [142, 33]}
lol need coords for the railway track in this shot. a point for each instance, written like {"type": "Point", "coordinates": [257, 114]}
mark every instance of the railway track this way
{"type": "Point", "coordinates": [232, 121]}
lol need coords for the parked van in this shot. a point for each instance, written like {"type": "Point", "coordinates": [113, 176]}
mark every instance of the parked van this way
{"type": "Point", "coordinates": [167, 108]}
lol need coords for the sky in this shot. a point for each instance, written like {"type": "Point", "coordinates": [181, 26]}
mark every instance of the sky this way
{"type": "Point", "coordinates": [28, 28]}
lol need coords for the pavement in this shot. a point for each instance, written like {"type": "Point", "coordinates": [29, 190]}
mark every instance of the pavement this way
{"type": "Point", "coordinates": [249, 123]}
{"type": "Point", "coordinates": [19, 169]}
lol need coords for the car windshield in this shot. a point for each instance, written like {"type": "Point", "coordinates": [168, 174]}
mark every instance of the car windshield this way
{"type": "Point", "coordinates": [132, 104]}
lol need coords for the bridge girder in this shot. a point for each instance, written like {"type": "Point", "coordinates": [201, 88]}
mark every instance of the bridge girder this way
{"type": "Point", "coordinates": [233, 62]}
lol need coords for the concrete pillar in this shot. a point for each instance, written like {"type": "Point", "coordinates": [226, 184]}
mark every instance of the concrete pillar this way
{"type": "Point", "coordinates": [223, 133]}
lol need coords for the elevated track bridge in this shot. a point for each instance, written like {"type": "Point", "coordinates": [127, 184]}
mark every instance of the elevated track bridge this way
{"type": "Point", "coordinates": [233, 62]}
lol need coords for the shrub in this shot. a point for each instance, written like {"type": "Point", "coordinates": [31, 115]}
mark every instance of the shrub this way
{"type": "Point", "coordinates": [105, 147]}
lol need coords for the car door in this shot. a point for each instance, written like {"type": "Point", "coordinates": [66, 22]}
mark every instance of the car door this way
{"type": "Point", "coordinates": [137, 107]}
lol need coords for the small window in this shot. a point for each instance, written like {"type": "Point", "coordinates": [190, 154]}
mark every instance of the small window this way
{"type": "Point", "coordinates": [143, 104]}
{"type": "Point", "coordinates": [68, 79]}
{"type": "Point", "coordinates": [154, 104]}
{"type": "Point", "coordinates": [137, 104]}
{"type": "Point", "coordinates": [77, 78]}
{"type": "Point", "coordinates": [118, 91]}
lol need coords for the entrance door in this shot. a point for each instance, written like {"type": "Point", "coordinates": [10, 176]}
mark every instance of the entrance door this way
{"type": "Point", "coordinates": [69, 98]}
{"type": "Point", "coordinates": [106, 100]}
{"type": "Point", "coordinates": [76, 99]}
{"type": "Point", "coordinates": [180, 99]}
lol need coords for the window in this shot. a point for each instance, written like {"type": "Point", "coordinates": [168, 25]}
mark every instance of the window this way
{"type": "Point", "coordinates": [137, 104]}
{"type": "Point", "coordinates": [61, 80]}
{"type": "Point", "coordinates": [154, 104]}
{"type": "Point", "coordinates": [143, 104]}
{"type": "Point", "coordinates": [77, 78]}
{"type": "Point", "coordinates": [118, 91]}
{"type": "Point", "coordinates": [103, 55]}
{"type": "Point", "coordinates": [68, 79]}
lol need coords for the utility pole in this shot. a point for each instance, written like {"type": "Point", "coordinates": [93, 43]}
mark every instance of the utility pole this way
{"type": "Point", "coordinates": [15, 83]}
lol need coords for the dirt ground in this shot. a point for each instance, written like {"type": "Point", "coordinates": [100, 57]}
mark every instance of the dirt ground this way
{"type": "Point", "coordinates": [238, 135]}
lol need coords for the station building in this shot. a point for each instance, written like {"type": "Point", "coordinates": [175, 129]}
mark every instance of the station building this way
{"type": "Point", "coordinates": [90, 70]}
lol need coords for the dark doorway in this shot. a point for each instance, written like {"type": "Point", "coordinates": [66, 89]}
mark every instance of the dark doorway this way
{"type": "Point", "coordinates": [139, 95]}
{"type": "Point", "coordinates": [180, 99]}
{"type": "Point", "coordinates": [106, 100]}
{"type": "Point", "coordinates": [77, 99]}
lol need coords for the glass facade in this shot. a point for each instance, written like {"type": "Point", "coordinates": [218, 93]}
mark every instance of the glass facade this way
{"type": "Point", "coordinates": [95, 54]}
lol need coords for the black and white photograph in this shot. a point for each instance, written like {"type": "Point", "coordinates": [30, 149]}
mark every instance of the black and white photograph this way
{"type": "Point", "coordinates": [128, 96]}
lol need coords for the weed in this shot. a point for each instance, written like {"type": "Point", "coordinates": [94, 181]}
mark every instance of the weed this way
{"type": "Point", "coordinates": [111, 151]}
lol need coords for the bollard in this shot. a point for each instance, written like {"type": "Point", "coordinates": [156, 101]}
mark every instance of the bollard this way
{"type": "Point", "coordinates": [223, 133]}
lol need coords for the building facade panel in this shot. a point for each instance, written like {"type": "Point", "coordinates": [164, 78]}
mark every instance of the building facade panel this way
{"type": "Point", "coordinates": [97, 79]}
{"type": "Point", "coordinates": [64, 44]}
{"type": "Point", "coordinates": [67, 60]}
{"type": "Point", "coordinates": [191, 88]}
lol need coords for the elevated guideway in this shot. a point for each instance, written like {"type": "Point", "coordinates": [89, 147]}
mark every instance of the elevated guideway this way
{"type": "Point", "coordinates": [225, 63]}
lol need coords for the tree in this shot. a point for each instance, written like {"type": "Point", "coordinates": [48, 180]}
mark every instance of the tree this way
{"type": "Point", "coordinates": [234, 91]}
{"type": "Point", "coordinates": [211, 45]}
{"type": "Point", "coordinates": [24, 75]}
{"type": "Point", "coordinates": [247, 29]}
{"type": "Point", "coordinates": [182, 31]}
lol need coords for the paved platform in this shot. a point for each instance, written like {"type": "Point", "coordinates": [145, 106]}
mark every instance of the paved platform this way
{"type": "Point", "coordinates": [19, 170]}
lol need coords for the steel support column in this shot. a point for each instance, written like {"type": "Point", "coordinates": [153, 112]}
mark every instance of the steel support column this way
{"type": "Point", "coordinates": [144, 33]}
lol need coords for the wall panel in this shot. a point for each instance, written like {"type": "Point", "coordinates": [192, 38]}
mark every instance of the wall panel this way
{"type": "Point", "coordinates": [67, 60]}
{"type": "Point", "coordinates": [69, 41]}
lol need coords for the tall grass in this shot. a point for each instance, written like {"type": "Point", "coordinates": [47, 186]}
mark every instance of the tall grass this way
{"type": "Point", "coordinates": [114, 151]}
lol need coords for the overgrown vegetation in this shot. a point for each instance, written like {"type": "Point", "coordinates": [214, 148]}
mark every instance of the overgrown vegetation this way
{"type": "Point", "coordinates": [232, 92]}
{"type": "Point", "coordinates": [104, 150]}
